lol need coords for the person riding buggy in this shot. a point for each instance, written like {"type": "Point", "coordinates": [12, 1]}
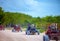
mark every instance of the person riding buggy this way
{"type": "Point", "coordinates": [51, 33]}
{"type": "Point", "coordinates": [16, 28]}
{"type": "Point", "coordinates": [31, 30]}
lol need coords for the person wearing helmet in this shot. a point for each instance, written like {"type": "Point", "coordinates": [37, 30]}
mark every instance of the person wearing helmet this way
{"type": "Point", "coordinates": [28, 29]}
{"type": "Point", "coordinates": [53, 28]}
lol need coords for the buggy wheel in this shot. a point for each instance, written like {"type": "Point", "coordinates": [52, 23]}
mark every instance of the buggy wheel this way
{"type": "Point", "coordinates": [13, 30]}
{"type": "Point", "coordinates": [36, 33]}
{"type": "Point", "coordinates": [56, 38]}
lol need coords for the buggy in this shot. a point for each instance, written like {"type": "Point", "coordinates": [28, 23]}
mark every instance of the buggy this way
{"type": "Point", "coordinates": [52, 34]}
{"type": "Point", "coordinates": [16, 28]}
{"type": "Point", "coordinates": [32, 32]}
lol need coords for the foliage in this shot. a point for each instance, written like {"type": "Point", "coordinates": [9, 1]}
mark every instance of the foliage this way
{"type": "Point", "coordinates": [23, 19]}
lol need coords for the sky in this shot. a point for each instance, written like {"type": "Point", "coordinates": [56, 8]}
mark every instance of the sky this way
{"type": "Point", "coordinates": [34, 8]}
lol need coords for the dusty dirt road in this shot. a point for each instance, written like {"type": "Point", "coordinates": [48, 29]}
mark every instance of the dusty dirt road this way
{"type": "Point", "coordinates": [7, 35]}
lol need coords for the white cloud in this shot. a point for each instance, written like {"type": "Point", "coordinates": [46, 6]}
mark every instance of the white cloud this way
{"type": "Point", "coordinates": [31, 2]}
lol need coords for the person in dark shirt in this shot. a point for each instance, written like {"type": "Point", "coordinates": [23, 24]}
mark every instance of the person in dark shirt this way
{"type": "Point", "coordinates": [28, 29]}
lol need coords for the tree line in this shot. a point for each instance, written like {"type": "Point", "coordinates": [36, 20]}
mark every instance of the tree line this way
{"type": "Point", "coordinates": [23, 19]}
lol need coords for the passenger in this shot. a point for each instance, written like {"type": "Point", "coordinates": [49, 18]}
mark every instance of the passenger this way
{"type": "Point", "coordinates": [33, 28]}
{"type": "Point", "coordinates": [53, 28]}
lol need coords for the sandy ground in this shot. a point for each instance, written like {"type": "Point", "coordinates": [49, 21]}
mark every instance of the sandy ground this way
{"type": "Point", "coordinates": [7, 35]}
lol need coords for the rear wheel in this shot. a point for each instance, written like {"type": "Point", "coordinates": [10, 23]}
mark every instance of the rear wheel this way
{"type": "Point", "coordinates": [13, 30]}
{"type": "Point", "coordinates": [36, 33]}
{"type": "Point", "coordinates": [56, 38]}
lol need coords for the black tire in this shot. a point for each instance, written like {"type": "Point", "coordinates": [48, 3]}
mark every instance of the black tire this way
{"type": "Point", "coordinates": [13, 30]}
{"type": "Point", "coordinates": [36, 33]}
{"type": "Point", "coordinates": [56, 38]}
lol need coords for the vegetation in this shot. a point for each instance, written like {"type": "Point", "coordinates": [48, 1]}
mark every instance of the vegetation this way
{"type": "Point", "coordinates": [21, 18]}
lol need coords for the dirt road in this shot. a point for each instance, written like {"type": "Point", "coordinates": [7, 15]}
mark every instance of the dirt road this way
{"type": "Point", "coordinates": [7, 35]}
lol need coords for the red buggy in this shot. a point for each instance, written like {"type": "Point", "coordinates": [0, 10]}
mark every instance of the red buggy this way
{"type": "Point", "coordinates": [53, 34]}
{"type": "Point", "coordinates": [16, 28]}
